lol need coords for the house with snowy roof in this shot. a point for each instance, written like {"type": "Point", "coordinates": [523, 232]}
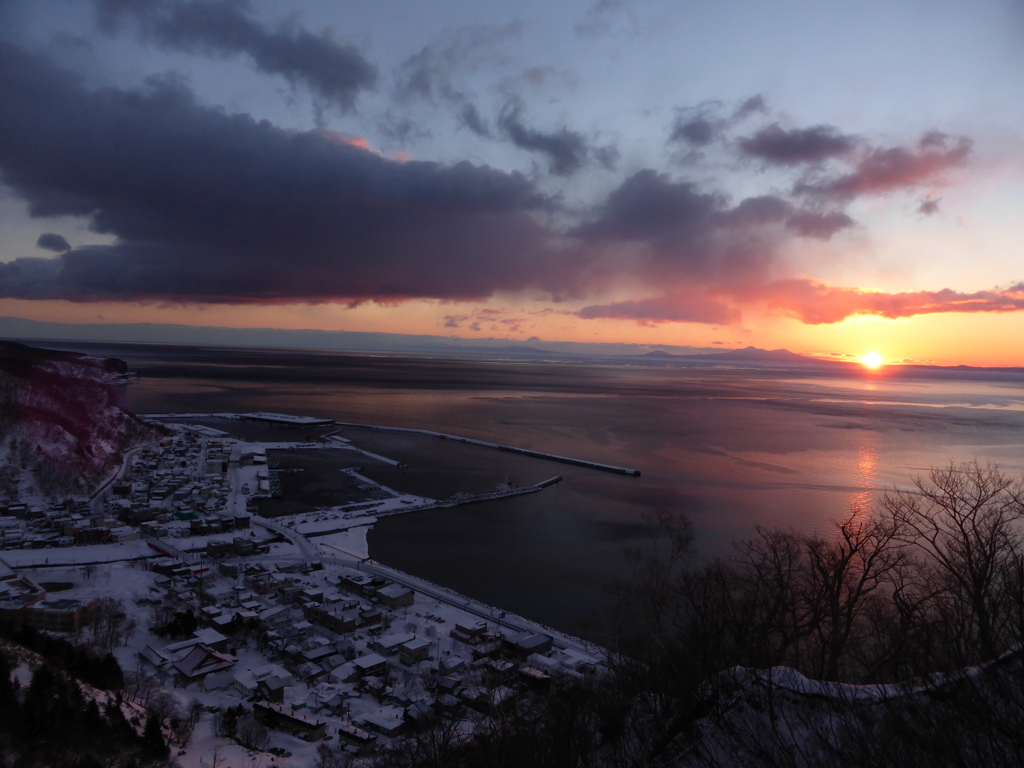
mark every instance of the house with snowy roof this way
{"type": "Point", "coordinates": [199, 662]}
{"type": "Point", "coordinates": [389, 644]}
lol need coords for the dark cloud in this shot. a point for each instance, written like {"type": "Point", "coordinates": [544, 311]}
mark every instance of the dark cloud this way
{"type": "Point", "coordinates": [770, 209]}
{"type": "Point", "coordinates": [692, 227]}
{"type": "Point", "coordinates": [819, 225]}
{"type": "Point", "coordinates": [763, 209]}
{"type": "Point", "coordinates": [880, 171]}
{"type": "Point", "coordinates": [698, 126]}
{"type": "Point", "coordinates": [331, 70]}
{"type": "Point", "coordinates": [696, 131]}
{"type": "Point", "coordinates": [929, 206]}
{"type": "Point", "coordinates": [774, 144]}
{"type": "Point", "coordinates": [673, 234]}
{"type": "Point", "coordinates": [607, 157]}
{"type": "Point", "coordinates": [470, 117]}
{"type": "Point", "coordinates": [209, 206]}
{"type": "Point", "coordinates": [430, 72]}
{"type": "Point", "coordinates": [752, 106]}
{"type": "Point", "coordinates": [52, 242]}
{"type": "Point", "coordinates": [565, 150]}
{"type": "Point", "coordinates": [649, 206]}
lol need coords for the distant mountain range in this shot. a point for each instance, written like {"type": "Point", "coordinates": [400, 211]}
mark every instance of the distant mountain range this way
{"type": "Point", "coordinates": [745, 355]}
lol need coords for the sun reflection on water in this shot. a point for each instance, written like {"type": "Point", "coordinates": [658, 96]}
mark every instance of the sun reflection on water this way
{"type": "Point", "coordinates": [867, 474]}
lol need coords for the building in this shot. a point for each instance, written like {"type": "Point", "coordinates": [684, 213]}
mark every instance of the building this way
{"type": "Point", "coordinates": [361, 584]}
{"type": "Point", "coordinates": [318, 655]}
{"type": "Point", "coordinates": [61, 615]}
{"type": "Point", "coordinates": [414, 651]}
{"type": "Point", "coordinates": [523, 644]}
{"type": "Point", "coordinates": [17, 596]}
{"type": "Point", "coordinates": [272, 689]}
{"type": "Point", "coordinates": [389, 644]}
{"type": "Point", "coordinates": [340, 620]}
{"type": "Point", "coordinates": [243, 547]}
{"type": "Point", "coordinates": [6, 572]}
{"type": "Point", "coordinates": [498, 670]}
{"type": "Point", "coordinates": [470, 633]}
{"type": "Point", "coordinates": [396, 596]}
{"type": "Point", "coordinates": [212, 638]}
{"type": "Point", "coordinates": [358, 738]}
{"type": "Point", "coordinates": [371, 664]}
{"type": "Point", "coordinates": [247, 682]}
{"type": "Point", "coordinates": [200, 662]}
{"type": "Point", "coordinates": [386, 726]}
{"type": "Point", "coordinates": [535, 679]}
{"type": "Point", "coordinates": [281, 718]}
{"type": "Point", "coordinates": [125, 533]}
{"type": "Point", "coordinates": [286, 420]}
{"type": "Point", "coordinates": [274, 616]}
{"type": "Point", "coordinates": [92, 535]}
{"type": "Point", "coordinates": [218, 548]}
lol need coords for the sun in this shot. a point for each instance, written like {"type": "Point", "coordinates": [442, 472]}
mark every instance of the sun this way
{"type": "Point", "coordinates": [872, 360]}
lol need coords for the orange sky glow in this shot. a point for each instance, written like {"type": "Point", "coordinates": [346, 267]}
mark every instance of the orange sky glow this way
{"type": "Point", "coordinates": [939, 339]}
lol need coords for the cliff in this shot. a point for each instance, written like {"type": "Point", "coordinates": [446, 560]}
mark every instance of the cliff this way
{"type": "Point", "coordinates": [62, 425]}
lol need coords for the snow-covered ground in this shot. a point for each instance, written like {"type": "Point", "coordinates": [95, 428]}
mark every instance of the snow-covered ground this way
{"type": "Point", "coordinates": [334, 539]}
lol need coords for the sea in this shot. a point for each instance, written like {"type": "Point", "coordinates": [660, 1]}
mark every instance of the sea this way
{"type": "Point", "coordinates": [729, 447]}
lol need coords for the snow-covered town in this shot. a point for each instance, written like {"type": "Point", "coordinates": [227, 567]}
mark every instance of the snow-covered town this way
{"type": "Point", "coordinates": [272, 637]}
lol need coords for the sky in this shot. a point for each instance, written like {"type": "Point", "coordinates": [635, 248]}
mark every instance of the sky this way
{"type": "Point", "coordinates": [831, 178]}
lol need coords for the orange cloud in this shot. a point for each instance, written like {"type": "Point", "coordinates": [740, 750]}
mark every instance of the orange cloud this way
{"type": "Point", "coordinates": [810, 302]}
{"type": "Point", "coordinates": [816, 303]}
{"type": "Point", "coordinates": [340, 137]}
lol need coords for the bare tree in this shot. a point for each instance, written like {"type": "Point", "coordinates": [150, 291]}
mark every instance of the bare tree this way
{"type": "Point", "coordinates": [164, 706]}
{"type": "Point", "coordinates": [195, 712]}
{"type": "Point", "coordinates": [110, 623]}
{"type": "Point", "coordinates": [139, 684]}
{"type": "Point", "coordinates": [252, 733]}
{"type": "Point", "coordinates": [332, 757]}
{"type": "Point", "coordinates": [844, 574]}
{"type": "Point", "coordinates": [965, 519]}
{"type": "Point", "coordinates": [770, 572]}
{"type": "Point", "coordinates": [183, 724]}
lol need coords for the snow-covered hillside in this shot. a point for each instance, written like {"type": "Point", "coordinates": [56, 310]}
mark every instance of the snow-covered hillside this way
{"type": "Point", "coordinates": [62, 428]}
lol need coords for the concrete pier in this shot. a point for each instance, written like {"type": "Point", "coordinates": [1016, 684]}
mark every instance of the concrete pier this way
{"type": "Point", "coordinates": [498, 446]}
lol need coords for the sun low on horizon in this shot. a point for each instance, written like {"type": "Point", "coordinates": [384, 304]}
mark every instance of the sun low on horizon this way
{"type": "Point", "coordinates": [872, 360]}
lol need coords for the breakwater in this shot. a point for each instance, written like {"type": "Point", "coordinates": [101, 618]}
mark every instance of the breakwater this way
{"type": "Point", "coordinates": [500, 447]}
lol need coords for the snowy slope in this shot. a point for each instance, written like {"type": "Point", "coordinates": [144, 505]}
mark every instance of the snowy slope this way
{"type": "Point", "coordinates": [62, 428]}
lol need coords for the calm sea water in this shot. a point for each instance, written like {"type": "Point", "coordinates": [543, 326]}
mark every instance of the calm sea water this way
{"type": "Point", "coordinates": [729, 448]}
